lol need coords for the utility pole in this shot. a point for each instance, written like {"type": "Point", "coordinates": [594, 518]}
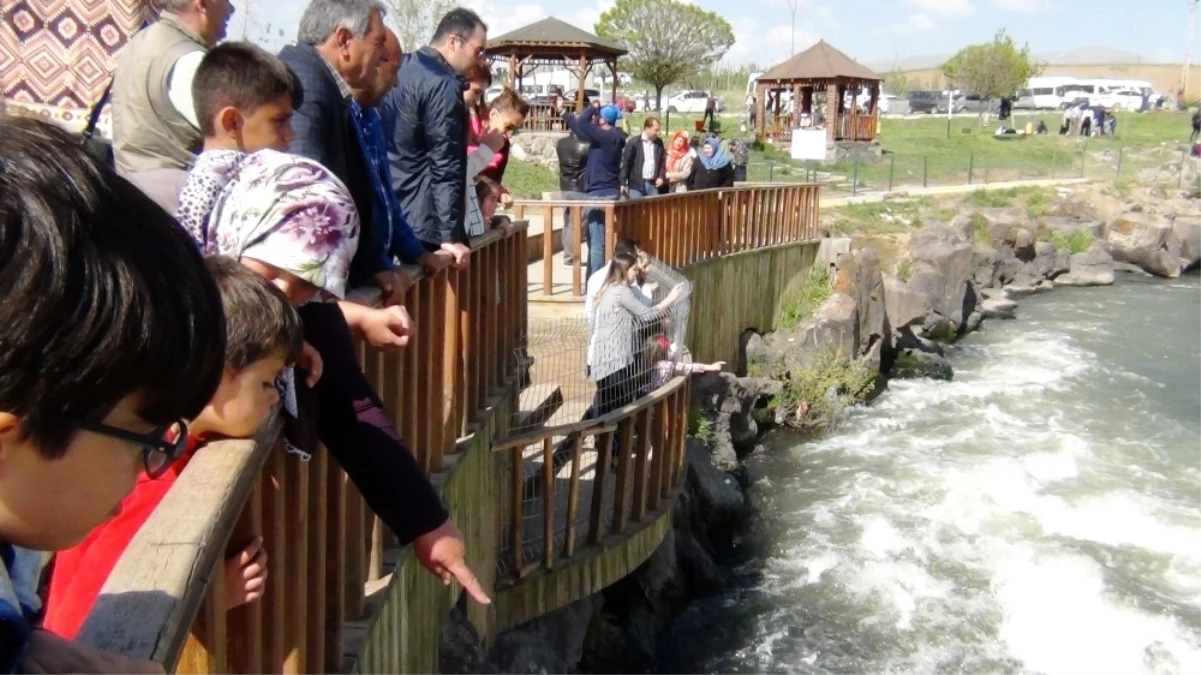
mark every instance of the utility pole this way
{"type": "Point", "coordinates": [1188, 47]}
{"type": "Point", "coordinates": [793, 5]}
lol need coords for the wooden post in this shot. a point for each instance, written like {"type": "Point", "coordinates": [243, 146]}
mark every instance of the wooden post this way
{"type": "Point", "coordinates": [579, 92]}
{"type": "Point", "coordinates": [831, 112]}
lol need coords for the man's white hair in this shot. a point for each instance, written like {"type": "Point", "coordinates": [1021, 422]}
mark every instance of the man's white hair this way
{"type": "Point", "coordinates": [323, 17]}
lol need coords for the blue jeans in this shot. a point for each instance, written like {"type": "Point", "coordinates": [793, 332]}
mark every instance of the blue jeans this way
{"type": "Point", "coordinates": [595, 218]}
{"type": "Point", "coordinates": [568, 223]}
{"type": "Point", "coordinates": [646, 189]}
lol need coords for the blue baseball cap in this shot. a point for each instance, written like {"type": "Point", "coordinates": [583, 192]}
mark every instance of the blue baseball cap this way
{"type": "Point", "coordinates": [610, 114]}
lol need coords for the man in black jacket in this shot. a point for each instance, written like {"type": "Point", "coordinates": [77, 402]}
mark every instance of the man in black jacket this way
{"type": "Point", "coordinates": [340, 46]}
{"type": "Point", "coordinates": [426, 124]}
{"type": "Point", "coordinates": [572, 152]}
{"type": "Point", "coordinates": [644, 162]}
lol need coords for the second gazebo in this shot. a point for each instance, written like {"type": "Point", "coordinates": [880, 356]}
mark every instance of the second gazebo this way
{"type": "Point", "coordinates": [825, 86]}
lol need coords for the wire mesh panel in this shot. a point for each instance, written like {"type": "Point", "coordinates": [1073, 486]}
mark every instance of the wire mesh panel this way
{"type": "Point", "coordinates": [624, 344]}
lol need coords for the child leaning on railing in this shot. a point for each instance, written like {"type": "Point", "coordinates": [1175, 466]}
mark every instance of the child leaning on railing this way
{"type": "Point", "coordinates": [263, 335]}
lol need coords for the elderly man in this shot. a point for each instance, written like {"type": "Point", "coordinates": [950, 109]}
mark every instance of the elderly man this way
{"type": "Point", "coordinates": [154, 121]}
{"type": "Point", "coordinates": [427, 125]}
{"type": "Point", "coordinates": [341, 42]}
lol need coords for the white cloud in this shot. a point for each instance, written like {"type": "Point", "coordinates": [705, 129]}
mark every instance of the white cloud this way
{"type": "Point", "coordinates": [1024, 6]}
{"type": "Point", "coordinates": [944, 7]}
{"type": "Point", "coordinates": [766, 46]}
{"type": "Point", "coordinates": [920, 22]}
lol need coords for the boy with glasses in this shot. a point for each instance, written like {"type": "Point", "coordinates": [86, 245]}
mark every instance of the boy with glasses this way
{"type": "Point", "coordinates": [111, 332]}
{"type": "Point", "coordinates": [263, 335]}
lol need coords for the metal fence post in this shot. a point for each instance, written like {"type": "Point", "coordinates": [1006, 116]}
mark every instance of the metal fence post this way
{"type": "Point", "coordinates": [925, 168]}
{"type": "Point", "coordinates": [855, 179]}
{"type": "Point", "coordinates": [892, 164]}
{"type": "Point", "coordinates": [971, 160]}
{"type": "Point", "coordinates": [1118, 173]}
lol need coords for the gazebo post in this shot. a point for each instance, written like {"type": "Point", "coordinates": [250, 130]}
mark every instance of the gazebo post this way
{"type": "Point", "coordinates": [613, 84]}
{"type": "Point", "coordinates": [579, 92]}
{"type": "Point", "coordinates": [832, 101]}
{"type": "Point", "coordinates": [513, 72]}
{"type": "Point", "coordinates": [760, 110]}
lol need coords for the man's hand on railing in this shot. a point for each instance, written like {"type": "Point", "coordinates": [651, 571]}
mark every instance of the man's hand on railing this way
{"type": "Point", "coordinates": [246, 575]}
{"type": "Point", "coordinates": [443, 553]}
{"type": "Point", "coordinates": [49, 653]}
{"type": "Point", "coordinates": [387, 328]}
{"type": "Point", "coordinates": [310, 362]}
{"type": "Point", "coordinates": [461, 254]}
{"type": "Point", "coordinates": [434, 262]}
{"type": "Point", "coordinates": [392, 284]}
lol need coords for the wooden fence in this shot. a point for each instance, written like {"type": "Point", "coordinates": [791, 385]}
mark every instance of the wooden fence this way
{"type": "Point", "coordinates": [164, 599]}
{"type": "Point", "coordinates": [680, 228]}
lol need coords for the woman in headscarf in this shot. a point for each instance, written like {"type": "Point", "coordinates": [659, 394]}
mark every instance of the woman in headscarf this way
{"type": "Point", "coordinates": [714, 170]}
{"type": "Point", "coordinates": [679, 162]}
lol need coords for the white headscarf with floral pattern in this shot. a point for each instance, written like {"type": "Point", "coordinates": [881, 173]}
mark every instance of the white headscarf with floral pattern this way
{"type": "Point", "coordinates": [283, 210]}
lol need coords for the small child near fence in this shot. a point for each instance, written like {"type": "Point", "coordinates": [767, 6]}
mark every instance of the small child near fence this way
{"type": "Point", "coordinates": [658, 348]}
{"type": "Point", "coordinates": [263, 334]}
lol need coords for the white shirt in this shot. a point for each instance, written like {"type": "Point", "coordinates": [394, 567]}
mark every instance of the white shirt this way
{"type": "Point", "coordinates": [595, 282]}
{"type": "Point", "coordinates": [179, 85]}
{"type": "Point", "coordinates": [473, 220]}
{"type": "Point", "coordinates": [648, 158]}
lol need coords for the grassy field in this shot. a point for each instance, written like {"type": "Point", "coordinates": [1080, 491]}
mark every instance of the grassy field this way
{"type": "Point", "coordinates": [929, 151]}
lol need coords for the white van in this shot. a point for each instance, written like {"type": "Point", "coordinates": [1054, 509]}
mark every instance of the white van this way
{"type": "Point", "coordinates": [1044, 93]}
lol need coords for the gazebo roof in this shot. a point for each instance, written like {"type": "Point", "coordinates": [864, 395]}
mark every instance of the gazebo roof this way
{"type": "Point", "coordinates": [552, 34]}
{"type": "Point", "coordinates": [820, 62]}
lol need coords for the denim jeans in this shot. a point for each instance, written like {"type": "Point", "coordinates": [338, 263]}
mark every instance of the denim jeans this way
{"type": "Point", "coordinates": [645, 189]}
{"type": "Point", "coordinates": [595, 219]}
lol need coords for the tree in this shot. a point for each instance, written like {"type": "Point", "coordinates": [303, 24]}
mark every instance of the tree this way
{"type": "Point", "coordinates": [897, 83]}
{"type": "Point", "coordinates": [415, 20]}
{"type": "Point", "coordinates": [991, 70]}
{"type": "Point", "coordinates": [667, 40]}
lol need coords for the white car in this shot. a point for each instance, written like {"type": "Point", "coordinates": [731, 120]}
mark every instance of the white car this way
{"type": "Point", "coordinates": [1125, 99]}
{"type": "Point", "coordinates": [688, 102]}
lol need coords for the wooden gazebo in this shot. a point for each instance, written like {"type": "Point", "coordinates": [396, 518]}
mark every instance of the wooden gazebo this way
{"type": "Point", "coordinates": [825, 85]}
{"type": "Point", "coordinates": [550, 43]}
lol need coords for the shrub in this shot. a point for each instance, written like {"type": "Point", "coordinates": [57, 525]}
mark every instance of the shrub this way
{"type": "Point", "coordinates": [1076, 242]}
{"type": "Point", "coordinates": [799, 305]}
{"type": "Point", "coordinates": [980, 229]}
{"type": "Point", "coordinates": [819, 387]}
{"type": "Point", "coordinates": [700, 427]}
{"type": "Point", "coordinates": [905, 269]}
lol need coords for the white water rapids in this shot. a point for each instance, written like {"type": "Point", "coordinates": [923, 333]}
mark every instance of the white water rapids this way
{"type": "Point", "coordinates": [1041, 513]}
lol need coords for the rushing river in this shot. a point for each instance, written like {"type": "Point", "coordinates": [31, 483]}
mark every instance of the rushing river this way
{"type": "Point", "coordinates": [1039, 514]}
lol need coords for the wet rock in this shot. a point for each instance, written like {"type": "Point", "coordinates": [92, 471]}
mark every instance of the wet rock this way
{"type": "Point", "coordinates": [1046, 261]}
{"type": "Point", "coordinates": [552, 643]}
{"type": "Point", "coordinates": [974, 321]}
{"type": "Point", "coordinates": [719, 498]}
{"type": "Point", "coordinates": [938, 328]}
{"type": "Point", "coordinates": [754, 352]}
{"type": "Point", "coordinates": [912, 364]}
{"type": "Point", "coordinates": [1146, 240]}
{"type": "Point", "coordinates": [1092, 268]}
{"type": "Point", "coordinates": [858, 277]}
{"type": "Point", "coordinates": [998, 307]}
{"type": "Point", "coordinates": [907, 339]}
{"type": "Point", "coordinates": [1008, 266]}
{"type": "Point", "coordinates": [1187, 229]}
{"type": "Point", "coordinates": [730, 401]}
{"type": "Point", "coordinates": [904, 306]}
{"type": "Point", "coordinates": [1023, 244]}
{"type": "Point", "coordinates": [986, 263]}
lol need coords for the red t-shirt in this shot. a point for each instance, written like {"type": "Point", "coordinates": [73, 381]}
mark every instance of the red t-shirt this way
{"type": "Point", "coordinates": [80, 572]}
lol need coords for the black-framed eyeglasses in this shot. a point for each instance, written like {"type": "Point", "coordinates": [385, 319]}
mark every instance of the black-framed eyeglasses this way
{"type": "Point", "coordinates": [160, 448]}
{"type": "Point", "coordinates": [476, 52]}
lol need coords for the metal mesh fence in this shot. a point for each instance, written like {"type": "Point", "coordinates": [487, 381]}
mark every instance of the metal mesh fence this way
{"type": "Point", "coordinates": [564, 390]}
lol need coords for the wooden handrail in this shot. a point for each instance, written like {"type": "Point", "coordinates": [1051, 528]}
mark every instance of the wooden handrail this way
{"type": "Point", "coordinates": [164, 600]}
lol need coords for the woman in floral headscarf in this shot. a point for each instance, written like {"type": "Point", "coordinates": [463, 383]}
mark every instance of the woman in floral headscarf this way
{"type": "Point", "coordinates": [679, 162]}
{"type": "Point", "coordinates": [286, 216]}
{"type": "Point", "coordinates": [714, 170]}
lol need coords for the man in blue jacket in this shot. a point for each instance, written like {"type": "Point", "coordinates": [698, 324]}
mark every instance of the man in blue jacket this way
{"type": "Point", "coordinates": [602, 172]}
{"type": "Point", "coordinates": [426, 123]}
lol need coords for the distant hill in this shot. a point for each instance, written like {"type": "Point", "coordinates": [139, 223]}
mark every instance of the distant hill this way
{"type": "Point", "coordinates": [1080, 56]}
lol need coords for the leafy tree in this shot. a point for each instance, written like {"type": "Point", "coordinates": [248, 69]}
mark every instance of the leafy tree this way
{"type": "Point", "coordinates": [896, 82]}
{"type": "Point", "coordinates": [668, 40]}
{"type": "Point", "coordinates": [991, 70]}
{"type": "Point", "coordinates": [415, 20]}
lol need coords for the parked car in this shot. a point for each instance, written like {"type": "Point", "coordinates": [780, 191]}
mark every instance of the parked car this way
{"type": "Point", "coordinates": [689, 102]}
{"type": "Point", "coordinates": [971, 104]}
{"type": "Point", "coordinates": [1124, 99]}
{"type": "Point", "coordinates": [590, 94]}
{"type": "Point", "coordinates": [924, 101]}
{"type": "Point", "coordinates": [892, 105]}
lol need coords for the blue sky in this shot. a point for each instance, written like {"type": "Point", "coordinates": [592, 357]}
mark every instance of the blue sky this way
{"type": "Point", "coordinates": [869, 30]}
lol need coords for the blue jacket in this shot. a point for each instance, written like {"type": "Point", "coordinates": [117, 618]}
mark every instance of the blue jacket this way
{"type": "Point", "coordinates": [20, 606]}
{"type": "Point", "coordinates": [325, 132]}
{"type": "Point", "coordinates": [396, 236]}
{"type": "Point", "coordinates": [425, 121]}
{"type": "Point", "coordinates": [603, 169]}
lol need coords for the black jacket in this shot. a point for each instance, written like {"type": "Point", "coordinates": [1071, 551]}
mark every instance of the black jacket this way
{"type": "Point", "coordinates": [602, 170]}
{"type": "Point", "coordinates": [703, 179]}
{"type": "Point", "coordinates": [633, 156]}
{"type": "Point", "coordinates": [572, 152]}
{"type": "Point", "coordinates": [325, 133]}
{"type": "Point", "coordinates": [426, 123]}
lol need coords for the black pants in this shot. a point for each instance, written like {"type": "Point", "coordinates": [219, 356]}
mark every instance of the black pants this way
{"type": "Point", "coordinates": [708, 119]}
{"type": "Point", "coordinates": [1196, 132]}
{"type": "Point", "coordinates": [351, 422]}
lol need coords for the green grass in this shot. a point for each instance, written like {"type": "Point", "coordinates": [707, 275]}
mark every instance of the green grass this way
{"type": "Point", "coordinates": [799, 306]}
{"type": "Point", "coordinates": [700, 427]}
{"type": "Point", "coordinates": [819, 387]}
{"type": "Point", "coordinates": [528, 181]}
{"type": "Point", "coordinates": [980, 230]}
{"type": "Point", "coordinates": [1077, 242]}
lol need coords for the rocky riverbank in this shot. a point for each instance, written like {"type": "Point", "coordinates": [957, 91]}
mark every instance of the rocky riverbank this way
{"type": "Point", "coordinates": [857, 322]}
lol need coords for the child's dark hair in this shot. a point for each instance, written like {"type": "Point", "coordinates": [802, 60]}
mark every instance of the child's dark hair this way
{"type": "Point", "coordinates": [104, 295]}
{"type": "Point", "coordinates": [510, 101]}
{"type": "Point", "coordinates": [260, 321]}
{"type": "Point", "coordinates": [242, 76]}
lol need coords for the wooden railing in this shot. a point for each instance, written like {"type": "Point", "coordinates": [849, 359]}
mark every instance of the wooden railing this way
{"type": "Point", "coordinates": [679, 228]}
{"type": "Point", "coordinates": [164, 599]}
{"type": "Point", "coordinates": [860, 127]}
{"type": "Point", "coordinates": [553, 472]}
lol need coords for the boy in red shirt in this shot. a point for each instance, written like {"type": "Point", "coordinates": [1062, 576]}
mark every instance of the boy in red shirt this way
{"type": "Point", "coordinates": [263, 335]}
